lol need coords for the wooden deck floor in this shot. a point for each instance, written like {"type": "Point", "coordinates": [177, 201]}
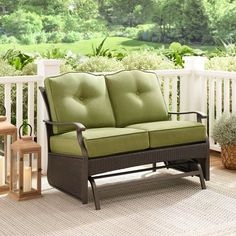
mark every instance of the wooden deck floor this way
{"type": "Point", "coordinates": [221, 177]}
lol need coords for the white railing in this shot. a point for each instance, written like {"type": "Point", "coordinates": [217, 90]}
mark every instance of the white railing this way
{"type": "Point", "coordinates": [191, 88]}
{"type": "Point", "coordinates": [219, 96]}
{"type": "Point", "coordinates": [22, 91]}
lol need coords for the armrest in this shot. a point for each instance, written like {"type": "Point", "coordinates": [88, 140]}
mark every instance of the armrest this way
{"type": "Point", "coordinates": [200, 115]}
{"type": "Point", "coordinates": [79, 128]}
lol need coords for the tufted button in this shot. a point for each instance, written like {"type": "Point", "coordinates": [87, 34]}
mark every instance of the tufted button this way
{"type": "Point", "coordinates": [137, 93]}
{"type": "Point", "coordinates": [81, 99]}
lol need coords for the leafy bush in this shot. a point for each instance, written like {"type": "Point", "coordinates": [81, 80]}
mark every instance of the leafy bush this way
{"type": "Point", "coordinates": [41, 37]}
{"type": "Point", "coordinates": [176, 51]}
{"type": "Point", "coordinates": [55, 37]}
{"type": "Point", "coordinates": [71, 37]}
{"type": "Point", "coordinates": [222, 63]}
{"type": "Point", "coordinates": [7, 70]}
{"type": "Point", "coordinates": [54, 53]}
{"type": "Point", "coordinates": [17, 58]}
{"type": "Point", "coordinates": [64, 68]}
{"type": "Point", "coordinates": [224, 131]}
{"type": "Point", "coordinates": [100, 64]}
{"type": "Point", "coordinates": [30, 69]}
{"type": "Point", "coordinates": [21, 22]}
{"type": "Point", "coordinates": [100, 50]}
{"type": "Point", "coordinates": [71, 23]}
{"type": "Point", "coordinates": [8, 40]}
{"type": "Point", "coordinates": [52, 23]}
{"type": "Point", "coordinates": [148, 32]}
{"type": "Point", "coordinates": [27, 39]}
{"type": "Point", "coordinates": [92, 25]}
{"type": "Point", "coordinates": [146, 61]}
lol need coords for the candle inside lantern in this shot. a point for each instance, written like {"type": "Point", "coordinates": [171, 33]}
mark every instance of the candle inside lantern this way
{"type": "Point", "coordinates": [2, 171]}
{"type": "Point", "coordinates": [27, 179]}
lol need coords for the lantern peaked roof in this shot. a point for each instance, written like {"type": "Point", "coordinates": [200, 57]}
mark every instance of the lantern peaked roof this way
{"type": "Point", "coordinates": [25, 145]}
{"type": "Point", "coordinates": [6, 127]}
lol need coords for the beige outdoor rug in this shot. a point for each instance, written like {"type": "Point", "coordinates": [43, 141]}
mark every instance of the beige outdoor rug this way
{"type": "Point", "coordinates": [139, 205]}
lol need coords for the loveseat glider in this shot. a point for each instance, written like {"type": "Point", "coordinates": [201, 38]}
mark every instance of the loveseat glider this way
{"type": "Point", "coordinates": [102, 123]}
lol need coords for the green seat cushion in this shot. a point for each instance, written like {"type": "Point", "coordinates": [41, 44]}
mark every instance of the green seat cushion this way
{"type": "Point", "coordinates": [101, 141]}
{"type": "Point", "coordinates": [171, 133]}
{"type": "Point", "coordinates": [79, 97]}
{"type": "Point", "coordinates": [136, 97]}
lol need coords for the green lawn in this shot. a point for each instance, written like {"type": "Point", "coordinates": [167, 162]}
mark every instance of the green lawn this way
{"type": "Point", "coordinates": [85, 46]}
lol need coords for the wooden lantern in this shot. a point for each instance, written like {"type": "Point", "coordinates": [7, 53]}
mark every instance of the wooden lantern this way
{"type": "Point", "coordinates": [25, 181]}
{"type": "Point", "coordinates": [7, 135]}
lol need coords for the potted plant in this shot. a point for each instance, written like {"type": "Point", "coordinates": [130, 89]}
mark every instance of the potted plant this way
{"type": "Point", "coordinates": [224, 132]}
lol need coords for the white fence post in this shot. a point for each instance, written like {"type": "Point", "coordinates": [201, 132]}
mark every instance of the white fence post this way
{"type": "Point", "coordinates": [45, 68]}
{"type": "Point", "coordinates": [192, 88]}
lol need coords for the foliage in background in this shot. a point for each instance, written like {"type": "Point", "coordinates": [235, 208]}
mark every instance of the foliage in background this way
{"type": "Point", "coordinates": [176, 52]}
{"type": "Point", "coordinates": [222, 63]}
{"type": "Point", "coordinates": [17, 58]}
{"type": "Point", "coordinates": [100, 50]}
{"type": "Point", "coordinates": [224, 131]}
{"type": "Point", "coordinates": [7, 70]}
{"type": "Point", "coordinates": [100, 64]}
{"type": "Point", "coordinates": [185, 21]}
{"type": "Point", "coordinates": [146, 60]}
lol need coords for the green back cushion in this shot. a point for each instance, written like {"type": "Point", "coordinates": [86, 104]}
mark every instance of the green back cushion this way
{"type": "Point", "coordinates": [79, 97]}
{"type": "Point", "coordinates": [136, 97]}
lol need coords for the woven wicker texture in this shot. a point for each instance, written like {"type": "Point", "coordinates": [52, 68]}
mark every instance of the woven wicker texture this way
{"type": "Point", "coordinates": [228, 154]}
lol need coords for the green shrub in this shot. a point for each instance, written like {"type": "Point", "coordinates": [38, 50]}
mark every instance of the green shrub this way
{"type": "Point", "coordinates": [52, 23]}
{"type": "Point", "coordinates": [64, 68]}
{"type": "Point", "coordinates": [71, 37]}
{"type": "Point", "coordinates": [116, 30]}
{"type": "Point", "coordinates": [100, 64]}
{"type": "Point", "coordinates": [8, 40]}
{"type": "Point", "coordinates": [41, 37]}
{"type": "Point", "coordinates": [146, 61]}
{"type": "Point", "coordinates": [30, 69]}
{"type": "Point", "coordinates": [54, 53]}
{"type": "Point", "coordinates": [224, 131]}
{"type": "Point", "coordinates": [131, 32]}
{"type": "Point", "coordinates": [147, 32]}
{"type": "Point", "coordinates": [176, 52]}
{"type": "Point", "coordinates": [17, 58]}
{"type": "Point", "coordinates": [55, 37]}
{"type": "Point", "coordinates": [92, 25]}
{"type": "Point", "coordinates": [71, 23]}
{"type": "Point", "coordinates": [222, 63]}
{"type": "Point", "coordinates": [21, 23]}
{"type": "Point", "coordinates": [27, 39]}
{"type": "Point", "coordinates": [7, 70]}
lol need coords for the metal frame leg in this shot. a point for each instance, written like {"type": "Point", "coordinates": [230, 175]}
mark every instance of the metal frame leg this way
{"type": "Point", "coordinates": [201, 177]}
{"type": "Point", "coordinates": [154, 165]}
{"type": "Point", "coordinates": [95, 193]}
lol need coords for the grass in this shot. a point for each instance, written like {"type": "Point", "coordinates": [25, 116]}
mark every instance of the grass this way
{"type": "Point", "coordinates": [84, 47]}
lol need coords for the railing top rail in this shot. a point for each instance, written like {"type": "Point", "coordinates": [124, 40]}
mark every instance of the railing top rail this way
{"type": "Point", "coordinates": [20, 79]}
{"type": "Point", "coordinates": [172, 72]}
{"type": "Point", "coordinates": [216, 74]}
{"type": "Point", "coordinates": [169, 72]}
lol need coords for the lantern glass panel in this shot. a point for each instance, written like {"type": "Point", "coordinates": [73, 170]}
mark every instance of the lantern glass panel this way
{"type": "Point", "coordinates": [30, 172]}
{"type": "Point", "coordinates": [15, 170]}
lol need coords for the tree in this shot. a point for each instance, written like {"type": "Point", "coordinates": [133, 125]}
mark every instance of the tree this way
{"type": "Point", "coordinates": [9, 6]}
{"type": "Point", "coordinates": [126, 12]}
{"type": "Point", "coordinates": [195, 22]}
{"type": "Point", "coordinates": [46, 7]}
{"type": "Point", "coordinates": [168, 16]}
{"type": "Point", "coordinates": [20, 23]}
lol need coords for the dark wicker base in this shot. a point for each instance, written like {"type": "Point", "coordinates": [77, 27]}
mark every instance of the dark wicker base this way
{"type": "Point", "coordinates": [71, 173]}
